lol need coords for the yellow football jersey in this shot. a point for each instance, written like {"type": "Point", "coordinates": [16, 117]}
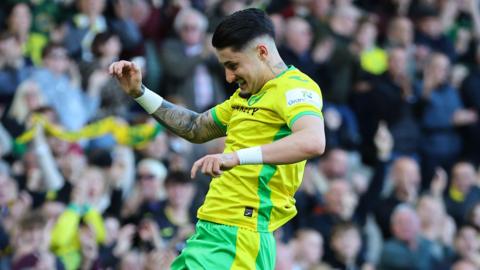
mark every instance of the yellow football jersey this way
{"type": "Point", "coordinates": [260, 197]}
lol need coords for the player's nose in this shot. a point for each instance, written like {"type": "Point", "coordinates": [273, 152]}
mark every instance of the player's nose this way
{"type": "Point", "coordinates": [229, 76]}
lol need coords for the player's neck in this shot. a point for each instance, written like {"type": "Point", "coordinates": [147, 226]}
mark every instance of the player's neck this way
{"type": "Point", "coordinates": [277, 67]}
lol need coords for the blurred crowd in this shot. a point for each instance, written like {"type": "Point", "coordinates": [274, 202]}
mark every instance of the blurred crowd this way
{"type": "Point", "coordinates": [399, 184]}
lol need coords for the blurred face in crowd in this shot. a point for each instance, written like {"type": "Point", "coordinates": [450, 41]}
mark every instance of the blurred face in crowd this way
{"type": "Point", "coordinates": [91, 7]}
{"type": "Point", "coordinates": [309, 246]}
{"type": "Point", "coordinates": [112, 228]}
{"type": "Point", "coordinates": [405, 225]}
{"type": "Point", "coordinates": [347, 243]}
{"type": "Point", "coordinates": [467, 241]}
{"type": "Point", "coordinates": [132, 260]}
{"type": "Point", "coordinates": [8, 189]}
{"type": "Point", "coordinates": [298, 35]}
{"type": "Point", "coordinates": [94, 182]}
{"type": "Point", "coordinates": [430, 211]}
{"type": "Point", "coordinates": [320, 8]}
{"type": "Point", "coordinates": [20, 19]}
{"type": "Point", "coordinates": [431, 26]}
{"type": "Point", "coordinates": [438, 68]}
{"type": "Point", "coordinates": [180, 195]}
{"type": "Point", "coordinates": [57, 60]}
{"type": "Point", "coordinates": [475, 216]}
{"type": "Point", "coordinates": [231, 6]}
{"type": "Point", "coordinates": [397, 62]}
{"type": "Point", "coordinates": [191, 30]}
{"type": "Point", "coordinates": [150, 184]}
{"type": "Point", "coordinates": [52, 210]}
{"type": "Point", "coordinates": [111, 48]}
{"type": "Point", "coordinates": [463, 176]}
{"type": "Point", "coordinates": [464, 265]}
{"type": "Point", "coordinates": [400, 32]}
{"type": "Point", "coordinates": [301, 2]}
{"type": "Point", "coordinates": [36, 238]}
{"type": "Point", "coordinates": [279, 25]}
{"type": "Point", "coordinates": [344, 20]}
{"type": "Point", "coordinates": [10, 50]}
{"type": "Point", "coordinates": [32, 96]}
{"type": "Point", "coordinates": [158, 148]}
{"type": "Point", "coordinates": [406, 176]}
{"type": "Point", "coordinates": [340, 199]}
{"type": "Point", "coordinates": [366, 35]}
{"type": "Point", "coordinates": [59, 147]}
{"type": "Point", "coordinates": [335, 164]}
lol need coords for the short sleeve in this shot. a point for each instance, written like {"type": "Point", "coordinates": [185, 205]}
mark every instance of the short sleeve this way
{"type": "Point", "coordinates": [297, 102]}
{"type": "Point", "coordinates": [221, 114]}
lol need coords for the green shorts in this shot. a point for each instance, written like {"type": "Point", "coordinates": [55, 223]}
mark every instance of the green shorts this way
{"type": "Point", "coordinates": [222, 247]}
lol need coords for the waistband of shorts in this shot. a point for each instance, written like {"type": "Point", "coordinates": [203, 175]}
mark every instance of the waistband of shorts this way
{"type": "Point", "coordinates": [214, 224]}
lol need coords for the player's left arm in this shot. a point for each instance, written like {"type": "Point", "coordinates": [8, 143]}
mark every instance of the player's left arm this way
{"type": "Point", "coordinates": [306, 141]}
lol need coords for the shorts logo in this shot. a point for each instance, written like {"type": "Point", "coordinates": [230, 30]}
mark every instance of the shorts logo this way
{"type": "Point", "coordinates": [305, 96]}
{"type": "Point", "coordinates": [248, 212]}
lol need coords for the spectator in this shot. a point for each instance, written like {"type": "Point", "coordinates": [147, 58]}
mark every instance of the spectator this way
{"type": "Point", "coordinates": [471, 99]}
{"type": "Point", "coordinates": [106, 48]}
{"type": "Point", "coordinates": [196, 82]}
{"type": "Point", "coordinates": [437, 227]}
{"type": "Point", "coordinates": [400, 33]}
{"type": "Point", "coordinates": [14, 68]}
{"type": "Point", "coordinates": [89, 21]}
{"type": "Point", "coordinates": [74, 107]}
{"type": "Point", "coordinates": [341, 61]}
{"type": "Point", "coordinates": [334, 164]}
{"type": "Point", "coordinates": [19, 23]}
{"type": "Point", "coordinates": [346, 244]}
{"type": "Point", "coordinates": [430, 32]}
{"type": "Point", "coordinates": [467, 245]}
{"type": "Point", "coordinates": [175, 216]}
{"type": "Point", "coordinates": [463, 265]}
{"type": "Point", "coordinates": [31, 244]}
{"type": "Point", "coordinates": [441, 111]}
{"type": "Point", "coordinates": [407, 249]}
{"type": "Point", "coordinates": [396, 104]}
{"type": "Point", "coordinates": [308, 250]}
{"type": "Point", "coordinates": [405, 176]}
{"type": "Point", "coordinates": [28, 97]}
{"type": "Point", "coordinates": [297, 47]}
{"type": "Point", "coordinates": [373, 59]}
{"type": "Point", "coordinates": [474, 216]}
{"type": "Point", "coordinates": [463, 193]}
{"type": "Point", "coordinates": [80, 227]}
{"type": "Point", "coordinates": [148, 194]}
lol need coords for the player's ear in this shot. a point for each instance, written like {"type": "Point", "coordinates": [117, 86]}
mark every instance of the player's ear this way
{"type": "Point", "coordinates": [262, 51]}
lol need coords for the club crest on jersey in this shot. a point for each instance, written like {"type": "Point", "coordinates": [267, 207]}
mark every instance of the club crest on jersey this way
{"type": "Point", "coordinates": [254, 99]}
{"type": "Point", "coordinates": [301, 95]}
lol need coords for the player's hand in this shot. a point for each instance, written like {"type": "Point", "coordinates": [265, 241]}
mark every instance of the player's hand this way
{"type": "Point", "coordinates": [129, 76]}
{"type": "Point", "coordinates": [214, 165]}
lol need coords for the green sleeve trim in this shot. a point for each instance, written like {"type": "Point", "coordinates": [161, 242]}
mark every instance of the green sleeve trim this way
{"type": "Point", "coordinates": [319, 114]}
{"type": "Point", "coordinates": [77, 209]}
{"type": "Point", "coordinates": [217, 121]}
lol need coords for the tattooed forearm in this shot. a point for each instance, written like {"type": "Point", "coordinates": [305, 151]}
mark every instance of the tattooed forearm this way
{"type": "Point", "coordinates": [194, 127]}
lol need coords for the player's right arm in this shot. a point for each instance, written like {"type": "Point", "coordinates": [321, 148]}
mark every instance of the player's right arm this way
{"type": "Point", "coordinates": [192, 126]}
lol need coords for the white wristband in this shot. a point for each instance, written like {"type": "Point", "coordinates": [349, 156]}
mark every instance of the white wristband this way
{"type": "Point", "coordinates": [149, 100]}
{"type": "Point", "coordinates": [252, 155]}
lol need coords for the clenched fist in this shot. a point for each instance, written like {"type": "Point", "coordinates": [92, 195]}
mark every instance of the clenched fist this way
{"type": "Point", "coordinates": [129, 76]}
